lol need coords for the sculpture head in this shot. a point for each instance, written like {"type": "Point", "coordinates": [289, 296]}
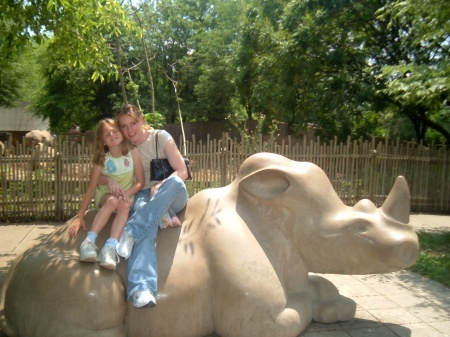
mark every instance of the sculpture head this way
{"type": "Point", "coordinates": [330, 237]}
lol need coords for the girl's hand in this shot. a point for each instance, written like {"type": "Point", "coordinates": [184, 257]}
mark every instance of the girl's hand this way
{"type": "Point", "coordinates": [75, 227]}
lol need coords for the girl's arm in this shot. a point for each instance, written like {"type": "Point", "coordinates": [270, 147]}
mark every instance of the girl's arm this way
{"type": "Point", "coordinates": [138, 174]}
{"type": "Point", "coordinates": [85, 202]}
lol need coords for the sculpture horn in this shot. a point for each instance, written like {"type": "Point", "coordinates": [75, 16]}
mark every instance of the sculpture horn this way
{"type": "Point", "coordinates": [397, 203]}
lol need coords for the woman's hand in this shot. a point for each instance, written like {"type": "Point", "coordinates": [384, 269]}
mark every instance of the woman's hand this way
{"type": "Point", "coordinates": [155, 188]}
{"type": "Point", "coordinates": [115, 189]}
{"type": "Point", "coordinates": [126, 199]}
{"type": "Point", "coordinates": [75, 227]}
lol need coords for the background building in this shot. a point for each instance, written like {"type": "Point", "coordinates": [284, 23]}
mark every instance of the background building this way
{"type": "Point", "coordinates": [18, 121]}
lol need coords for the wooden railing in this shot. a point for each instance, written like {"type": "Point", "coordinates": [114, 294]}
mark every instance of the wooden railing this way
{"type": "Point", "coordinates": [47, 183]}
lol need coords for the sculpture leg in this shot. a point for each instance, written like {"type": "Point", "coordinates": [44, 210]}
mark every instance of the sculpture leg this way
{"type": "Point", "coordinates": [255, 305]}
{"type": "Point", "coordinates": [329, 305]}
{"type": "Point", "coordinates": [261, 320]}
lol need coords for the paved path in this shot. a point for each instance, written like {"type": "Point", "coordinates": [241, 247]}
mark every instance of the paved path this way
{"type": "Point", "coordinates": [400, 304]}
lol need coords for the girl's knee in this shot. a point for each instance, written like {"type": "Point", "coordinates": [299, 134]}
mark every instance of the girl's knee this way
{"type": "Point", "coordinates": [112, 202]}
{"type": "Point", "coordinates": [124, 206]}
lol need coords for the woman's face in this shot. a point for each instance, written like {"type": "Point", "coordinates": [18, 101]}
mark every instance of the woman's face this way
{"type": "Point", "coordinates": [131, 128]}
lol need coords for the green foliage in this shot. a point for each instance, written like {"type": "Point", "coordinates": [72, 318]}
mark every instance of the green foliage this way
{"type": "Point", "coordinates": [330, 63]}
{"type": "Point", "coordinates": [70, 96]}
{"type": "Point", "coordinates": [79, 30]}
{"type": "Point", "coordinates": [238, 117]}
{"type": "Point", "coordinates": [32, 70]}
{"type": "Point", "coordinates": [434, 258]}
{"type": "Point", "coordinates": [345, 68]}
{"type": "Point", "coordinates": [419, 83]}
{"type": "Point", "coordinates": [155, 119]}
{"type": "Point", "coordinates": [10, 78]}
{"type": "Point", "coordinates": [21, 76]}
{"type": "Point", "coordinates": [302, 65]}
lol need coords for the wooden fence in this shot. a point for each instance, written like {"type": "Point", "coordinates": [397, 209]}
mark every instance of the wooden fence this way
{"type": "Point", "coordinates": [48, 183]}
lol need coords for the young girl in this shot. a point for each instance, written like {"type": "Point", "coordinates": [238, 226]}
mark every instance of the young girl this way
{"type": "Point", "coordinates": [114, 158]}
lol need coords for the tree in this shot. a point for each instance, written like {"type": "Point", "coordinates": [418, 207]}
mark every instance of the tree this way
{"type": "Point", "coordinates": [21, 76]}
{"type": "Point", "coordinates": [419, 85]}
{"type": "Point", "coordinates": [211, 62]}
{"type": "Point", "coordinates": [302, 63]}
{"type": "Point", "coordinates": [197, 37]}
{"type": "Point", "coordinates": [334, 64]}
{"type": "Point", "coordinates": [79, 30]}
{"type": "Point", "coordinates": [10, 79]}
{"type": "Point", "coordinates": [70, 96]}
{"type": "Point", "coordinates": [349, 68]}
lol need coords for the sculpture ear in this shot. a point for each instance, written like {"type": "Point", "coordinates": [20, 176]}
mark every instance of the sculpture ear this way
{"type": "Point", "coordinates": [265, 184]}
{"type": "Point", "coordinates": [365, 206]}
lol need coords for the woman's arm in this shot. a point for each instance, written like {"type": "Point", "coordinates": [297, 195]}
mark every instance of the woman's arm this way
{"type": "Point", "coordinates": [176, 161]}
{"type": "Point", "coordinates": [85, 202]}
{"type": "Point", "coordinates": [114, 188]}
{"type": "Point", "coordinates": [138, 173]}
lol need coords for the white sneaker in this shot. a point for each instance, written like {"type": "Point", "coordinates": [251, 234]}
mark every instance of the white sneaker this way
{"type": "Point", "coordinates": [143, 299]}
{"type": "Point", "coordinates": [88, 251]}
{"type": "Point", "coordinates": [125, 245]}
{"type": "Point", "coordinates": [108, 258]}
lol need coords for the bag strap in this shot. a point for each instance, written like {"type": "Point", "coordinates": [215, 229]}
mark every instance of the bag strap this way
{"type": "Point", "coordinates": [156, 141]}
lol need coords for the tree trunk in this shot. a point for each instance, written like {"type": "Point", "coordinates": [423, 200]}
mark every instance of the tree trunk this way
{"type": "Point", "coordinates": [122, 81]}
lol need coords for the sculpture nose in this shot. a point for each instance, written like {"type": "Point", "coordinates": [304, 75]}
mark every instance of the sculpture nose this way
{"type": "Point", "coordinates": [408, 253]}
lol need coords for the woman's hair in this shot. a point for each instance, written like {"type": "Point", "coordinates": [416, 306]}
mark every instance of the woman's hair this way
{"type": "Point", "coordinates": [132, 111]}
{"type": "Point", "coordinates": [100, 148]}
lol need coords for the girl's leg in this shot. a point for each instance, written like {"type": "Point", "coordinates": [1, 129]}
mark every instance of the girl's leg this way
{"type": "Point", "coordinates": [123, 210]}
{"type": "Point", "coordinates": [108, 257]}
{"type": "Point", "coordinates": [88, 249]}
{"type": "Point", "coordinates": [108, 204]}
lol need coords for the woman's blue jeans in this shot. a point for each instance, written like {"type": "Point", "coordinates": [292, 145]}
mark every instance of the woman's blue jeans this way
{"type": "Point", "coordinates": [143, 227]}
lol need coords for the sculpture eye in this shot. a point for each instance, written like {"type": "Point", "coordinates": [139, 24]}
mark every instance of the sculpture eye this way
{"type": "Point", "coordinates": [362, 228]}
{"type": "Point", "coordinates": [359, 227]}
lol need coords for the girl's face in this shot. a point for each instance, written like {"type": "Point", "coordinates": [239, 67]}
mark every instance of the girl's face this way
{"type": "Point", "coordinates": [111, 136]}
{"type": "Point", "coordinates": [131, 128]}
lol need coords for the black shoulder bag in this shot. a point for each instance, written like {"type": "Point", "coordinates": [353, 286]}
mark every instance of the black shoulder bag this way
{"type": "Point", "coordinates": [160, 168]}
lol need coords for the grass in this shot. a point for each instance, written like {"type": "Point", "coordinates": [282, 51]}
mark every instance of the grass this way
{"type": "Point", "coordinates": [434, 258]}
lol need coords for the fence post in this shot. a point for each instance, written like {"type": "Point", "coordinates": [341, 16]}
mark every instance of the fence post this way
{"type": "Point", "coordinates": [224, 152]}
{"type": "Point", "coordinates": [373, 171]}
{"type": "Point", "coordinates": [58, 188]}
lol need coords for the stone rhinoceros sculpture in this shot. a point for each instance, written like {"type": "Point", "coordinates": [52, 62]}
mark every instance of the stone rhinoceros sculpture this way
{"type": "Point", "coordinates": [238, 266]}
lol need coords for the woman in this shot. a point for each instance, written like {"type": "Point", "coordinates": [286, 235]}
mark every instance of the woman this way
{"type": "Point", "coordinates": [137, 241]}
